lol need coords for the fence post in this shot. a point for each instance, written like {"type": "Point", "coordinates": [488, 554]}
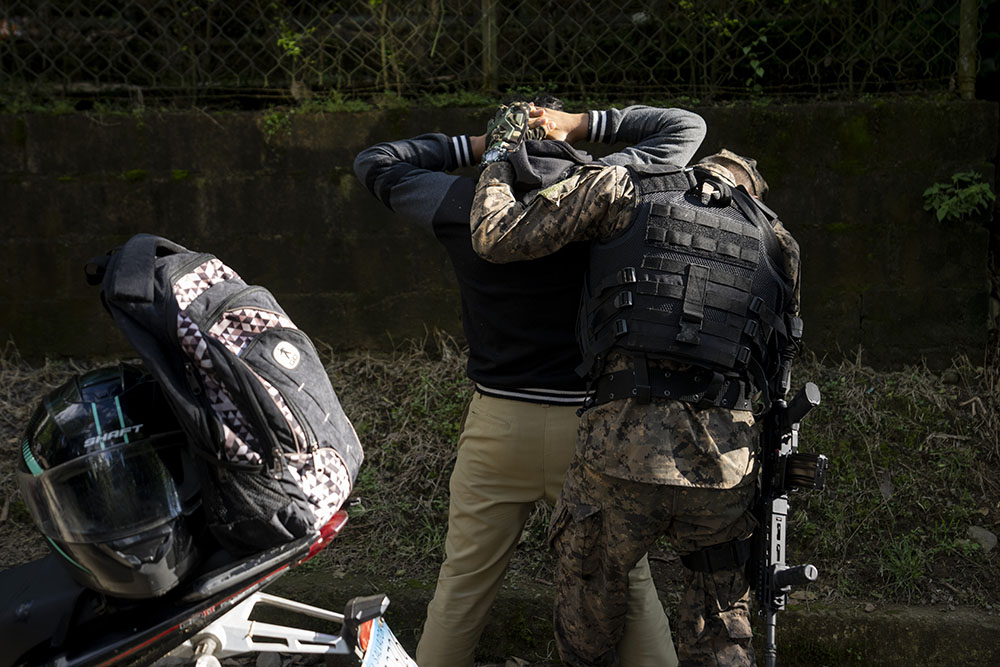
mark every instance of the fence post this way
{"type": "Point", "coordinates": [968, 20]}
{"type": "Point", "coordinates": [489, 11]}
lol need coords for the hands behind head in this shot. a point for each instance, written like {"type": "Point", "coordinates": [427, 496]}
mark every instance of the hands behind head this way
{"type": "Point", "coordinates": [559, 125]}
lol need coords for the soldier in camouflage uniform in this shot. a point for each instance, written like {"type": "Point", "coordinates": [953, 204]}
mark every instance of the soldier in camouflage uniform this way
{"type": "Point", "coordinates": [647, 465]}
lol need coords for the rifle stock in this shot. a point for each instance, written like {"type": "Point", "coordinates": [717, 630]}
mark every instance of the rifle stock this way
{"type": "Point", "coordinates": [783, 468]}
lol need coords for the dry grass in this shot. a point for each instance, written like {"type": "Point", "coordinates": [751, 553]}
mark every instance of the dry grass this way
{"type": "Point", "coordinates": [913, 459]}
{"type": "Point", "coordinates": [407, 408]}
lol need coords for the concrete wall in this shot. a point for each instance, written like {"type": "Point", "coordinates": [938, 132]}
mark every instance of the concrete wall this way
{"type": "Point", "coordinates": [283, 208]}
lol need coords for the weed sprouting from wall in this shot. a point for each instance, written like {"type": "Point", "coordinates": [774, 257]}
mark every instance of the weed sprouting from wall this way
{"type": "Point", "coordinates": [963, 197]}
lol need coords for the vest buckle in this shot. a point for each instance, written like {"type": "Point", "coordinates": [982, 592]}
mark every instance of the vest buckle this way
{"type": "Point", "coordinates": [623, 300]}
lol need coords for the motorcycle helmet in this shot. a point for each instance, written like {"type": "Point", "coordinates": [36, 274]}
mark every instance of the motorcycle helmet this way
{"type": "Point", "coordinates": [106, 477]}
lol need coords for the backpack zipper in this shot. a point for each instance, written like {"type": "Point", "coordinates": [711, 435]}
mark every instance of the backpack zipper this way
{"type": "Point", "coordinates": [211, 318]}
{"type": "Point", "coordinates": [259, 419]}
{"type": "Point", "coordinates": [185, 267]}
{"type": "Point", "coordinates": [311, 442]}
{"type": "Point", "coordinates": [307, 432]}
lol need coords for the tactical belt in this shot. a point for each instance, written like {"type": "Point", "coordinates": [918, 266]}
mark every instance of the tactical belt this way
{"type": "Point", "coordinates": [730, 555]}
{"type": "Point", "coordinates": [701, 387]}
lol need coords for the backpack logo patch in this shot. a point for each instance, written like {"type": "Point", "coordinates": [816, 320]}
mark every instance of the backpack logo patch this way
{"type": "Point", "coordinates": [286, 354]}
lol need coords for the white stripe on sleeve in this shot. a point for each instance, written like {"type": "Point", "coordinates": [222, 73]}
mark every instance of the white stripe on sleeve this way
{"type": "Point", "coordinates": [598, 126]}
{"type": "Point", "coordinates": [461, 147]}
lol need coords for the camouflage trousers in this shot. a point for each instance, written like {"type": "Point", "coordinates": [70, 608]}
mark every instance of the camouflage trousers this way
{"type": "Point", "coordinates": [602, 525]}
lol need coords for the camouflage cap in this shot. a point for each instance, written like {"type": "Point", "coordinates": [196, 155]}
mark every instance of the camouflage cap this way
{"type": "Point", "coordinates": [735, 169]}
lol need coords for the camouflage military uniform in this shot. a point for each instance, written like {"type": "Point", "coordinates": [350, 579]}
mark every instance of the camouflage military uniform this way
{"type": "Point", "coordinates": [596, 193]}
{"type": "Point", "coordinates": [641, 470]}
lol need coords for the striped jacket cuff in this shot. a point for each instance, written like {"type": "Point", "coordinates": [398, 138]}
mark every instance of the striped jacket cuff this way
{"type": "Point", "coordinates": [599, 130]}
{"type": "Point", "coordinates": [460, 151]}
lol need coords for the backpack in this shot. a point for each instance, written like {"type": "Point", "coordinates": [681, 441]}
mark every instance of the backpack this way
{"type": "Point", "coordinates": [279, 454]}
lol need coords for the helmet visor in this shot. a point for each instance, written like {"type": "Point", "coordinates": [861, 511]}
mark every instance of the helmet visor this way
{"type": "Point", "coordinates": [105, 495]}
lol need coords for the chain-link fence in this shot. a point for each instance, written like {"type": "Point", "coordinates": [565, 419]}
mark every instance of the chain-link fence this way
{"type": "Point", "coordinates": [704, 49]}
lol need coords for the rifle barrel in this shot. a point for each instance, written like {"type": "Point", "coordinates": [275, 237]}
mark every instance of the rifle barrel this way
{"type": "Point", "coordinates": [771, 639]}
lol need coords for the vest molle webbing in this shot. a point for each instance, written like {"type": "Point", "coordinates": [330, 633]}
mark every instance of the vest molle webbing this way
{"type": "Point", "coordinates": [694, 283]}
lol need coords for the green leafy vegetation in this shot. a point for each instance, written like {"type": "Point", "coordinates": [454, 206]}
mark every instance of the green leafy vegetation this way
{"type": "Point", "coordinates": [407, 409]}
{"type": "Point", "coordinates": [19, 101]}
{"type": "Point", "coordinates": [276, 122]}
{"type": "Point", "coordinates": [964, 196]}
{"type": "Point", "coordinates": [290, 42]}
{"type": "Point", "coordinates": [753, 81]}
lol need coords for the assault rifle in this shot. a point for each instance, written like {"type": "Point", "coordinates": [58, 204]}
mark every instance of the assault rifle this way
{"type": "Point", "coordinates": [783, 468]}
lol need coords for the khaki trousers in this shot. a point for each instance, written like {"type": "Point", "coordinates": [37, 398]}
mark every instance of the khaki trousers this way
{"type": "Point", "coordinates": [510, 455]}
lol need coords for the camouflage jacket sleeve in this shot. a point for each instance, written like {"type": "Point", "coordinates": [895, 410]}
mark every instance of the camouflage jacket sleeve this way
{"type": "Point", "coordinates": [410, 176]}
{"type": "Point", "coordinates": [595, 202]}
{"type": "Point", "coordinates": [584, 206]}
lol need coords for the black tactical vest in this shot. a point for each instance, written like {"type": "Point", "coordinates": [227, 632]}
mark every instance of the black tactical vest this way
{"type": "Point", "coordinates": [693, 283]}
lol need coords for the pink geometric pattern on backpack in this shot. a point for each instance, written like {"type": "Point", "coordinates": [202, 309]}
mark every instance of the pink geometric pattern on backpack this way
{"type": "Point", "coordinates": [237, 436]}
{"type": "Point", "coordinates": [323, 477]}
{"type": "Point", "coordinates": [319, 471]}
{"type": "Point", "coordinates": [235, 328]}
{"type": "Point", "coordinates": [190, 286]}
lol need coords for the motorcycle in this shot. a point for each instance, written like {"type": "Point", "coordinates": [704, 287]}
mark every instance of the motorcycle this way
{"type": "Point", "coordinates": [46, 618]}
